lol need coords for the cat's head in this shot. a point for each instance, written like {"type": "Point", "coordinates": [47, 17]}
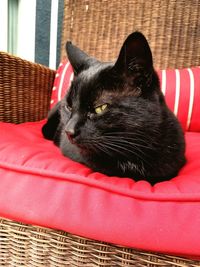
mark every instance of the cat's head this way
{"type": "Point", "coordinates": [112, 109]}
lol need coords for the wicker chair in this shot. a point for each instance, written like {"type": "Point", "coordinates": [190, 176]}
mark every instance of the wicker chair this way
{"type": "Point", "coordinates": [98, 27]}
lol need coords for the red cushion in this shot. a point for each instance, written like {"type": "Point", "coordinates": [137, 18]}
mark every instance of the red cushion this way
{"type": "Point", "coordinates": [180, 87]}
{"type": "Point", "coordinates": [40, 186]}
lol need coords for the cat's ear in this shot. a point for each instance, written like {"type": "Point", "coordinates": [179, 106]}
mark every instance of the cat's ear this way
{"type": "Point", "coordinates": [135, 55]}
{"type": "Point", "coordinates": [78, 59]}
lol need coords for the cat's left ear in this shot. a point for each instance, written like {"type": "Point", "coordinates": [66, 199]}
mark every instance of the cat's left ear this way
{"type": "Point", "coordinates": [78, 59]}
{"type": "Point", "coordinates": [135, 55]}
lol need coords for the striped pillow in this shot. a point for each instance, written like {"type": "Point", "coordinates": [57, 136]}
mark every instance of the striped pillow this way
{"type": "Point", "coordinates": [180, 87]}
{"type": "Point", "coordinates": [63, 78]}
{"type": "Point", "coordinates": [182, 93]}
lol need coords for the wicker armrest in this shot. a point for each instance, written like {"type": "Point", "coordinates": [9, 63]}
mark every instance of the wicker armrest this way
{"type": "Point", "coordinates": [25, 89]}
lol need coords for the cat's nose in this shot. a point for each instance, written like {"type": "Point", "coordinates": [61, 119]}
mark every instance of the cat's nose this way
{"type": "Point", "coordinates": [70, 128]}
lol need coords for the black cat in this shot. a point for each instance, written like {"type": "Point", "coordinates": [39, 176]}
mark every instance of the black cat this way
{"type": "Point", "coordinates": [114, 117]}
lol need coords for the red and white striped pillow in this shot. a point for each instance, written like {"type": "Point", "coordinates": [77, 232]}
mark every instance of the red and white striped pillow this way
{"type": "Point", "coordinates": [63, 78]}
{"type": "Point", "coordinates": [181, 88]}
{"type": "Point", "coordinates": [182, 93]}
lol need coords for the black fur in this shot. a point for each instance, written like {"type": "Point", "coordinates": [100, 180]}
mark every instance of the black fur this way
{"type": "Point", "coordinates": [137, 135]}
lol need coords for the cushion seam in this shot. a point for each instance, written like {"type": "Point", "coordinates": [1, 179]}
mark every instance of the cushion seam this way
{"type": "Point", "coordinates": [79, 179]}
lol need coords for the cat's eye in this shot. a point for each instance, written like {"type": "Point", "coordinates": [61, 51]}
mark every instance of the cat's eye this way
{"type": "Point", "coordinates": [100, 109]}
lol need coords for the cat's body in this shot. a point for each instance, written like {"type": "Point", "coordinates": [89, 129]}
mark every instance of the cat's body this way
{"type": "Point", "coordinates": [114, 118]}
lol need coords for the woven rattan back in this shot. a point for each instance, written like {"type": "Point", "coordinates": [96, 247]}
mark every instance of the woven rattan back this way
{"type": "Point", "coordinates": [25, 89]}
{"type": "Point", "coordinates": [171, 26]}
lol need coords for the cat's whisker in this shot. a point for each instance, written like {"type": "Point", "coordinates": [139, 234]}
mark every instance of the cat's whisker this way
{"type": "Point", "coordinates": [107, 150]}
{"type": "Point", "coordinates": [134, 137]}
{"type": "Point", "coordinates": [130, 141]}
{"type": "Point", "coordinates": [139, 131]}
{"type": "Point", "coordinates": [115, 149]}
{"type": "Point", "coordinates": [104, 149]}
{"type": "Point", "coordinates": [126, 135]}
{"type": "Point", "coordinates": [128, 151]}
{"type": "Point", "coordinates": [121, 133]}
{"type": "Point", "coordinates": [135, 147]}
{"type": "Point", "coordinates": [93, 145]}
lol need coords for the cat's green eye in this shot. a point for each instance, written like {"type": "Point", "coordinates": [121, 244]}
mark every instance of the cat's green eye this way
{"type": "Point", "coordinates": [100, 109]}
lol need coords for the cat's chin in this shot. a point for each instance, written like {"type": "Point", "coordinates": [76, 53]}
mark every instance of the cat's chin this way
{"type": "Point", "coordinates": [70, 150]}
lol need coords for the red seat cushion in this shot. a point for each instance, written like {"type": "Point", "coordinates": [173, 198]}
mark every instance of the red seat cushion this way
{"type": "Point", "coordinates": [40, 186]}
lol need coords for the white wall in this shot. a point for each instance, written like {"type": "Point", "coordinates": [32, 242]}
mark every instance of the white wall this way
{"type": "Point", "coordinates": [53, 34]}
{"type": "Point", "coordinates": [26, 29]}
{"type": "Point", "coordinates": [3, 25]}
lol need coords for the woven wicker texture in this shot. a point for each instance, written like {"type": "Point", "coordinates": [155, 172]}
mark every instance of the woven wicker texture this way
{"type": "Point", "coordinates": [26, 245]}
{"type": "Point", "coordinates": [25, 89]}
{"type": "Point", "coordinates": [100, 27]}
